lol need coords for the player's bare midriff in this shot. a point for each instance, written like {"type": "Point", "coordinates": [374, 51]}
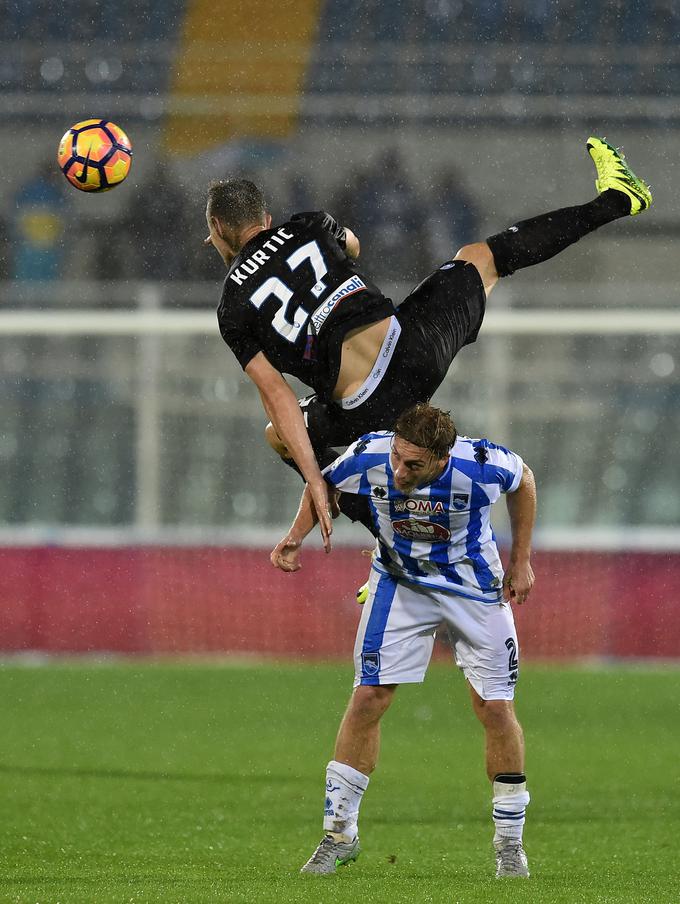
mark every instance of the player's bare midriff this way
{"type": "Point", "coordinates": [360, 350]}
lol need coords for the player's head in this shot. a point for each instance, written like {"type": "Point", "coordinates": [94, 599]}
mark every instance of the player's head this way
{"type": "Point", "coordinates": [235, 208]}
{"type": "Point", "coordinates": [423, 436]}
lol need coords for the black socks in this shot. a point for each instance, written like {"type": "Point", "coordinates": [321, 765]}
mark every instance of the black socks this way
{"type": "Point", "coordinates": [534, 241]}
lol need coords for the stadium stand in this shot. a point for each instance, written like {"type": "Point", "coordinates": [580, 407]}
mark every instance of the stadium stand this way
{"type": "Point", "coordinates": [463, 74]}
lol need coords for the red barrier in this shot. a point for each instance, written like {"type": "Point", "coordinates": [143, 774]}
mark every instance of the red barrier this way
{"type": "Point", "coordinates": [204, 599]}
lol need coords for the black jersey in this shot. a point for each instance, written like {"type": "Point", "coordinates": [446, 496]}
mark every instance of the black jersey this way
{"type": "Point", "coordinates": [293, 293]}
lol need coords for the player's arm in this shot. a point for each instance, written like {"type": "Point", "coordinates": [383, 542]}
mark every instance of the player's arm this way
{"type": "Point", "coordinates": [282, 408]}
{"type": "Point", "coordinates": [286, 553]}
{"type": "Point", "coordinates": [343, 474]}
{"type": "Point", "coordinates": [342, 234]}
{"type": "Point", "coordinates": [519, 576]}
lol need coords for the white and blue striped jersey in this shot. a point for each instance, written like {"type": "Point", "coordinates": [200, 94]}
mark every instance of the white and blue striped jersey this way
{"type": "Point", "coordinates": [439, 535]}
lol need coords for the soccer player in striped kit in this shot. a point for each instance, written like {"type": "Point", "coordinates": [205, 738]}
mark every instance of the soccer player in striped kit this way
{"type": "Point", "coordinates": [430, 494]}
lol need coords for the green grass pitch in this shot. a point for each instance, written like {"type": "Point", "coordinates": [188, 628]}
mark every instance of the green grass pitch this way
{"type": "Point", "coordinates": [199, 782]}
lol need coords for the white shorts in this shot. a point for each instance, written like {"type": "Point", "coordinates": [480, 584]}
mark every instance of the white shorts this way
{"type": "Point", "coordinates": [398, 625]}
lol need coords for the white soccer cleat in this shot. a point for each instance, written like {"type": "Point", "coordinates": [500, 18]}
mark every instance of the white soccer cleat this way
{"type": "Point", "coordinates": [331, 854]}
{"type": "Point", "coordinates": [511, 859]}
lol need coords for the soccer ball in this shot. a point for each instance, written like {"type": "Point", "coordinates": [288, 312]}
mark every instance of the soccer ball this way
{"type": "Point", "coordinates": [95, 155]}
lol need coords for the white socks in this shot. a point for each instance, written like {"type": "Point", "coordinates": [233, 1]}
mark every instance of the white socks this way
{"type": "Point", "coordinates": [345, 787]}
{"type": "Point", "coordinates": [510, 799]}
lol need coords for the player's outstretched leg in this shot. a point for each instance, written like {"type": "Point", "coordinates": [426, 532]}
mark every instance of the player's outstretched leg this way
{"type": "Point", "coordinates": [614, 173]}
{"type": "Point", "coordinates": [529, 242]}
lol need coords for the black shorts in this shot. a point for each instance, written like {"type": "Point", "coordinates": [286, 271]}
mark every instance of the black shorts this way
{"type": "Point", "coordinates": [437, 319]}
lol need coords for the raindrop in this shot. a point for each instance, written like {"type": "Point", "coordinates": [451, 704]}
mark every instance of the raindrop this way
{"type": "Point", "coordinates": [224, 390]}
{"type": "Point", "coordinates": [97, 70]}
{"type": "Point", "coordinates": [151, 107]}
{"type": "Point", "coordinates": [662, 364]}
{"type": "Point", "coordinates": [245, 504]}
{"type": "Point", "coordinates": [52, 69]}
{"type": "Point", "coordinates": [614, 478]}
{"type": "Point", "coordinates": [645, 420]}
{"type": "Point", "coordinates": [101, 70]}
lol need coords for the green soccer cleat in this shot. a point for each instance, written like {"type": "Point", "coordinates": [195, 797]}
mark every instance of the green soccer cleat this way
{"type": "Point", "coordinates": [331, 854]}
{"type": "Point", "coordinates": [362, 594]}
{"type": "Point", "coordinates": [614, 172]}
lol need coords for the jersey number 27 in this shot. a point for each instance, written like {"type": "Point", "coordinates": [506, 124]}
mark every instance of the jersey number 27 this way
{"type": "Point", "coordinates": [290, 328]}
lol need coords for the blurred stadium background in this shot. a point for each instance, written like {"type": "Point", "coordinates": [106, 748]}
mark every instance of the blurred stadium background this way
{"type": "Point", "coordinates": [138, 499]}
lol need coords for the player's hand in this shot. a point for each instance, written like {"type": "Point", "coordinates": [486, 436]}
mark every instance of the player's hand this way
{"type": "Point", "coordinates": [286, 554]}
{"type": "Point", "coordinates": [319, 491]}
{"type": "Point", "coordinates": [518, 581]}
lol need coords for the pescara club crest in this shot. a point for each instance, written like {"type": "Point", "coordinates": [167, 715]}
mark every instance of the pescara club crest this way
{"type": "Point", "coordinates": [370, 664]}
{"type": "Point", "coordinates": [423, 531]}
{"type": "Point", "coordinates": [460, 501]}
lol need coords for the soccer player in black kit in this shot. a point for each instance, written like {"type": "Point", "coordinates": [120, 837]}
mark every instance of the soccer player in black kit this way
{"type": "Point", "coordinates": [295, 302]}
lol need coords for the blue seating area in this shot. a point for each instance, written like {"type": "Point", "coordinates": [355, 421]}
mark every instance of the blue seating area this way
{"type": "Point", "coordinates": [365, 47]}
{"type": "Point", "coordinates": [494, 74]}
{"type": "Point", "coordinates": [89, 20]}
{"type": "Point", "coordinates": [554, 47]}
{"type": "Point", "coordinates": [401, 22]}
{"type": "Point", "coordinates": [83, 46]}
{"type": "Point", "coordinates": [426, 22]}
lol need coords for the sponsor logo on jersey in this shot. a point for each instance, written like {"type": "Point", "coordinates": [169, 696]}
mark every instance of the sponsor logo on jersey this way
{"type": "Point", "coordinates": [370, 664]}
{"type": "Point", "coordinates": [419, 506]}
{"type": "Point", "coordinates": [460, 501]}
{"type": "Point", "coordinates": [425, 531]}
{"type": "Point", "coordinates": [323, 312]}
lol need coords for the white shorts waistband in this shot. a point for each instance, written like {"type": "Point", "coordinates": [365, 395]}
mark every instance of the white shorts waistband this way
{"type": "Point", "coordinates": [373, 380]}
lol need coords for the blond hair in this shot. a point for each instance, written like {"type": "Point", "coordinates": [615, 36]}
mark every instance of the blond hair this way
{"type": "Point", "coordinates": [428, 427]}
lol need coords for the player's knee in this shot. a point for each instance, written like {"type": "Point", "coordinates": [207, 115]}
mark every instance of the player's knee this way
{"type": "Point", "coordinates": [495, 715]}
{"type": "Point", "coordinates": [369, 702]}
{"type": "Point", "coordinates": [275, 441]}
{"type": "Point", "coordinates": [475, 253]}
{"type": "Point", "coordinates": [479, 254]}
